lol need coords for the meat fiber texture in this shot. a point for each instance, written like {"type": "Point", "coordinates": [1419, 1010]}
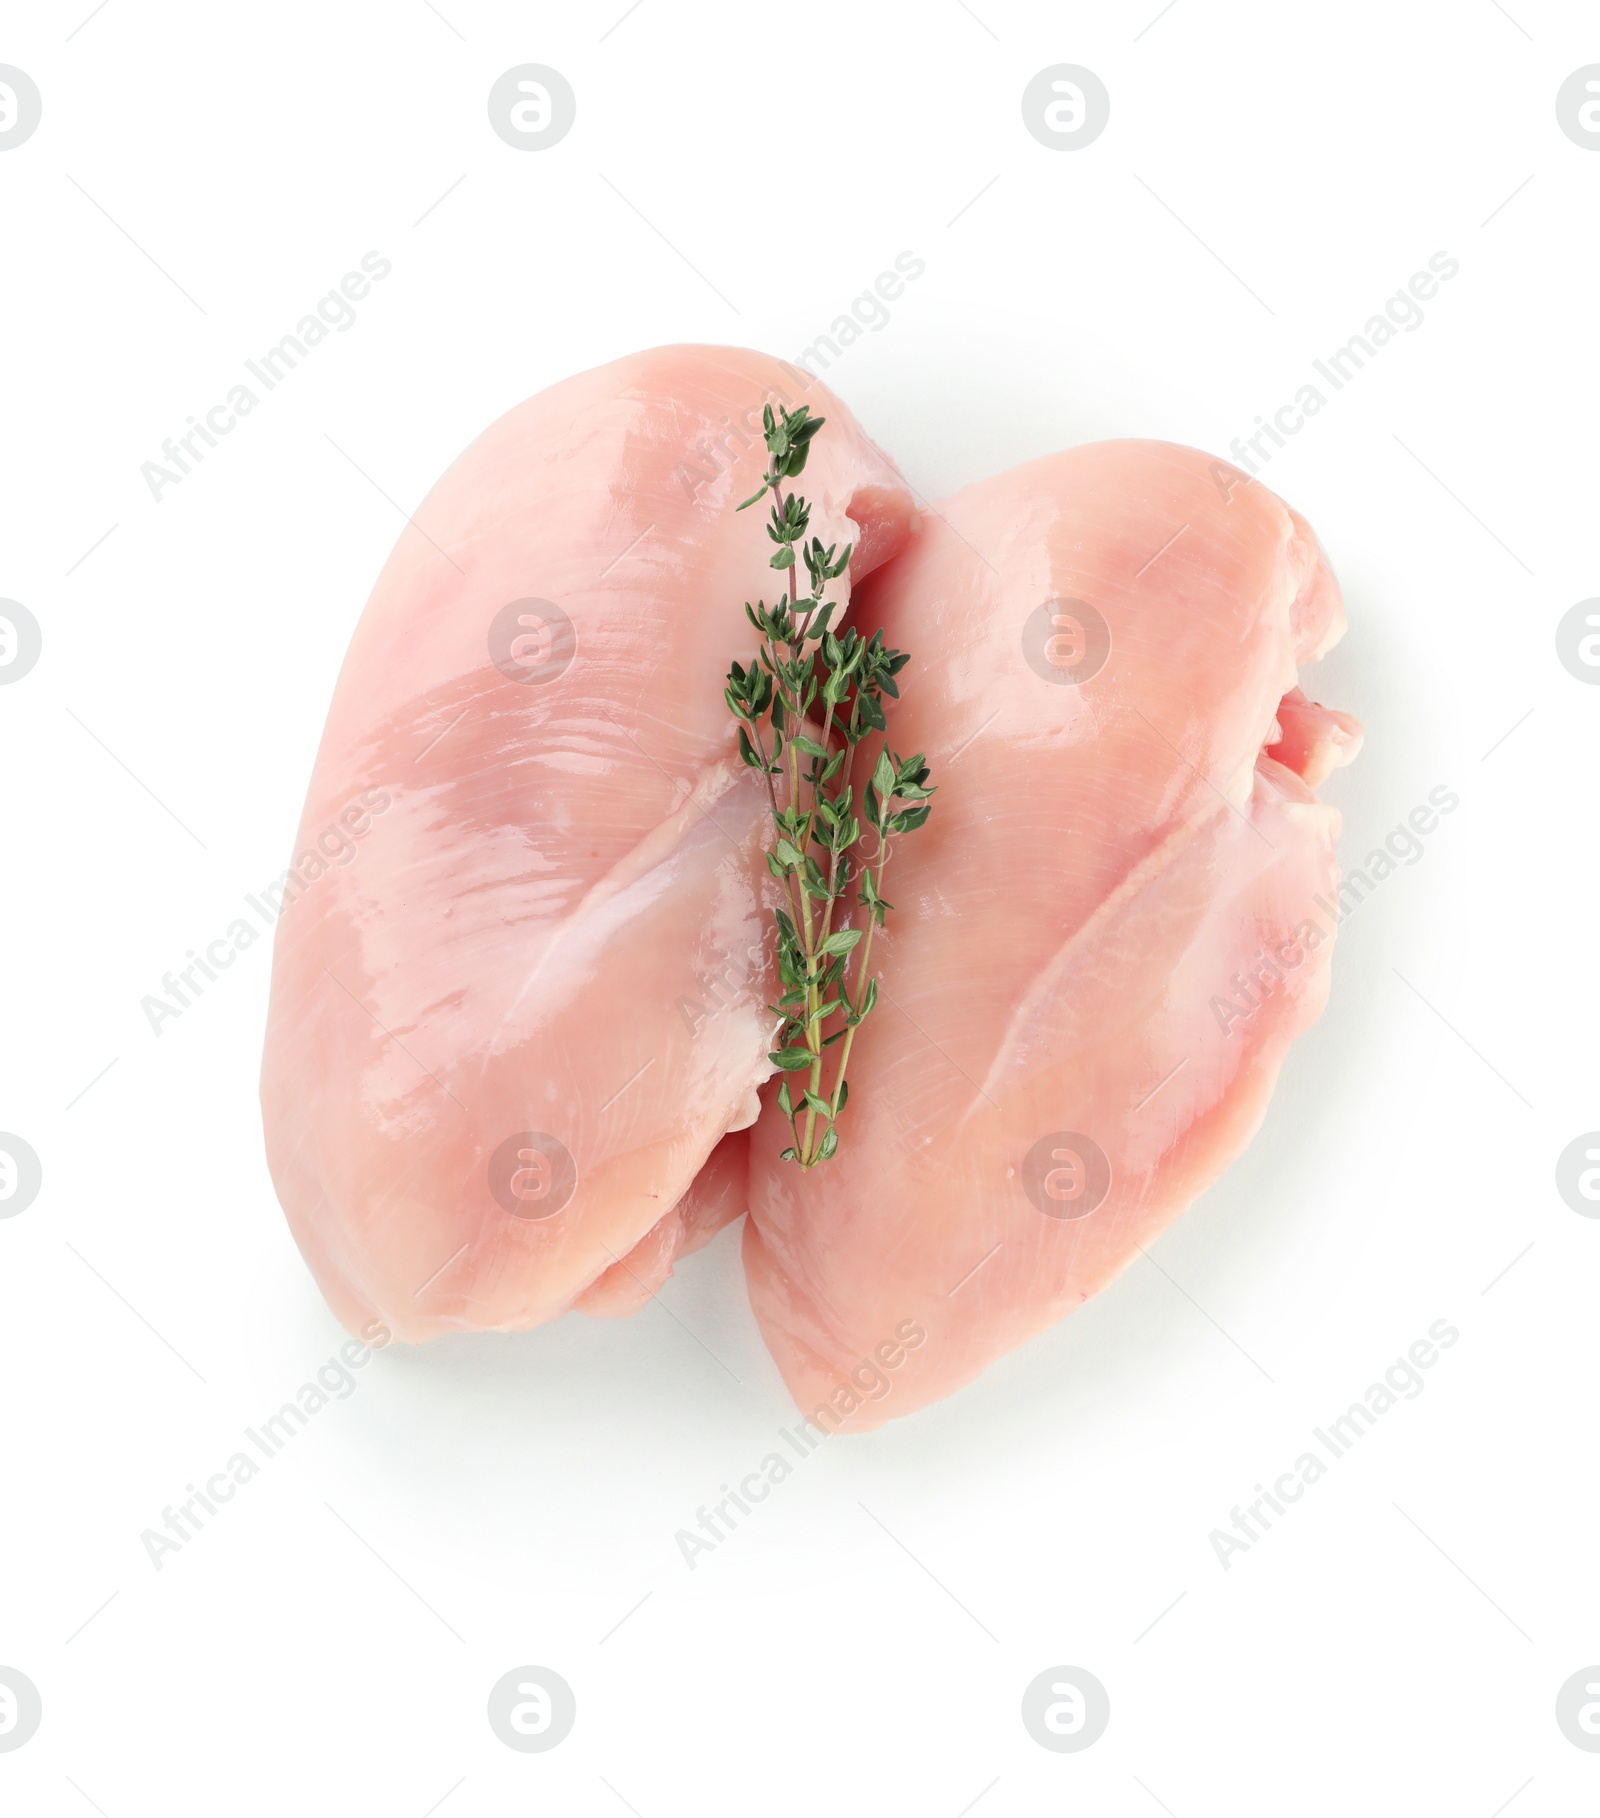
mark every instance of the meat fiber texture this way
{"type": "Point", "coordinates": [517, 1057]}
{"type": "Point", "coordinates": [485, 1080]}
{"type": "Point", "coordinates": [1106, 937]}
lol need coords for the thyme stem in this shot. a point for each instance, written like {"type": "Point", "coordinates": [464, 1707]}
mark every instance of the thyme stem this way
{"type": "Point", "coordinates": [798, 657]}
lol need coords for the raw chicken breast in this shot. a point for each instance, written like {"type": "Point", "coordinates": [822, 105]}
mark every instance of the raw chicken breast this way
{"type": "Point", "coordinates": [518, 987]}
{"type": "Point", "coordinates": [1115, 923]}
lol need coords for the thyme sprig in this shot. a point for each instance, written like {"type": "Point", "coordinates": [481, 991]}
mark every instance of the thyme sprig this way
{"type": "Point", "coordinates": [812, 696]}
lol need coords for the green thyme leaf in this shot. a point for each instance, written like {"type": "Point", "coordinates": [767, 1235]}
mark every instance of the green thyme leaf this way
{"type": "Point", "coordinates": [818, 691]}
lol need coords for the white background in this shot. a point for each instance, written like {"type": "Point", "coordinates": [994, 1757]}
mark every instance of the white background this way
{"type": "Point", "coordinates": [1271, 174]}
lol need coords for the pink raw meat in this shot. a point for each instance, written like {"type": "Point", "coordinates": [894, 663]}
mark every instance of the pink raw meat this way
{"type": "Point", "coordinates": [1116, 922]}
{"type": "Point", "coordinates": [498, 1053]}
